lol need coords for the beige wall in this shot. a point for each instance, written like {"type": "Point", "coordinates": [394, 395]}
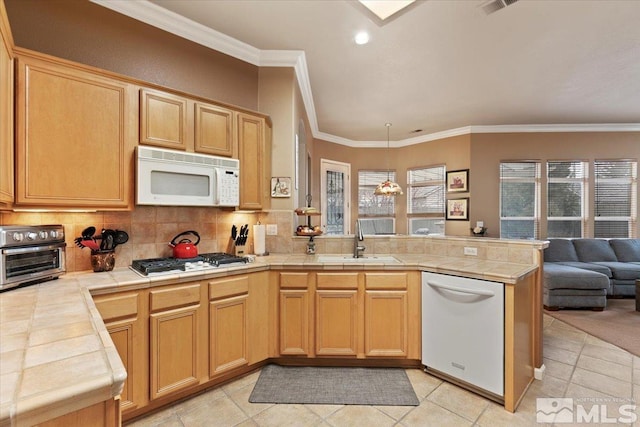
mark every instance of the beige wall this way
{"type": "Point", "coordinates": [481, 153]}
{"type": "Point", "coordinates": [487, 150]}
{"type": "Point", "coordinates": [276, 96]}
{"type": "Point", "coordinates": [453, 152]}
{"type": "Point", "coordinates": [84, 32]}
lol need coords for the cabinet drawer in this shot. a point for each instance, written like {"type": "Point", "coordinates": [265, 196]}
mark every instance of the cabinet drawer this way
{"type": "Point", "coordinates": [228, 287]}
{"type": "Point", "coordinates": [175, 297]}
{"type": "Point", "coordinates": [337, 281]}
{"type": "Point", "coordinates": [385, 280]}
{"type": "Point", "coordinates": [294, 280]}
{"type": "Point", "coordinates": [117, 307]}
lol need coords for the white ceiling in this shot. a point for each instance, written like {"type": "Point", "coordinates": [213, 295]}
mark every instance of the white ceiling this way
{"type": "Point", "coordinates": [438, 65]}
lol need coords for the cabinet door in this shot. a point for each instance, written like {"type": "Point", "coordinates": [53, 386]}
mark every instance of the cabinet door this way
{"type": "Point", "coordinates": [336, 322]}
{"type": "Point", "coordinates": [75, 136]}
{"type": "Point", "coordinates": [174, 350]}
{"type": "Point", "coordinates": [122, 315]}
{"type": "Point", "coordinates": [6, 113]}
{"type": "Point", "coordinates": [251, 153]}
{"type": "Point", "coordinates": [163, 119]}
{"type": "Point", "coordinates": [175, 343]}
{"type": "Point", "coordinates": [294, 322]}
{"type": "Point", "coordinates": [228, 334]}
{"type": "Point", "coordinates": [213, 130]}
{"type": "Point", "coordinates": [228, 323]}
{"type": "Point", "coordinates": [385, 317]}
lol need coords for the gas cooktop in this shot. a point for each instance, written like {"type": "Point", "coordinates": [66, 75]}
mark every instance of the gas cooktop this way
{"type": "Point", "coordinates": [201, 262]}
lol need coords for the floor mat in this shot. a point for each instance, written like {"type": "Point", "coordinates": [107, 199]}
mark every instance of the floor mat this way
{"type": "Point", "coordinates": [334, 386]}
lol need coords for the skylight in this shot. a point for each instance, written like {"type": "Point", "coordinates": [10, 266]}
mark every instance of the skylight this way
{"type": "Point", "coordinates": [383, 9]}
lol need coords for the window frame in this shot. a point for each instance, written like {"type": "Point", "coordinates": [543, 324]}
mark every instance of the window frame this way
{"type": "Point", "coordinates": [584, 198]}
{"type": "Point", "coordinates": [536, 180]}
{"type": "Point", "coordinates": [441, 183]}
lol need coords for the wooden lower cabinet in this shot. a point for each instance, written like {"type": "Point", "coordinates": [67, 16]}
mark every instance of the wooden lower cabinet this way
{"type": "Point", "coordinates": [228, 324]}
{"type": "Point", "coordinates": [295, 313]}
{"type": "Point", "coordinates": [386, 315]}
{"type": "Point", "coordinates": [125, 320]}
{"type": "Point", "coordinates": [176, 338]}
{"type": "Point", "coordinates": [336, 322]}
{"type": "Point", "coordinates": [350, 314]}
{"type": "Point", "coordinates": [102, 414]}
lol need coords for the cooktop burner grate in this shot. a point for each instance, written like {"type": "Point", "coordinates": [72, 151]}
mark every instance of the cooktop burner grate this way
{"type": "Point", "coordinates": [211, 260]}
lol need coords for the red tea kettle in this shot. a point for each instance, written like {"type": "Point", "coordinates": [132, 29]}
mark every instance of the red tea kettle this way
{"type": "Point", "coordinates": [185, 248]}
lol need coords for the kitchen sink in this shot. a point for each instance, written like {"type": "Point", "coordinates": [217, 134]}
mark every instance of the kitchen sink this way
{"type": "Point", "coordinates": [351, 259]}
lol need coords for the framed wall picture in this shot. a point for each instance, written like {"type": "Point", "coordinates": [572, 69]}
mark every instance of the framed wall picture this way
{"type": "Point", "coordinates": [280, 186]}
{"type": "Point", "coordinates": [458, 181]}
{"type": "Point", "coordinates": [458, 209]}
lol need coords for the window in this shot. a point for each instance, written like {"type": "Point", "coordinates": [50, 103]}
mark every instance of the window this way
{"type": "Point", "coordinates": [378, 210]}
{"type": "Point", "coordinates": [426, 200]}
{"type": "Point", "coordinates": [615, 203]}
{"type": "Point", "coordinates": [566, 189]}
{"type": "Point", "coordinates": [519, 200]}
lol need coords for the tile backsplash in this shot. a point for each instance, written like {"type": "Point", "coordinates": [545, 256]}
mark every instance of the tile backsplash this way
{"type": "Point", "coordinates": [152, 228]}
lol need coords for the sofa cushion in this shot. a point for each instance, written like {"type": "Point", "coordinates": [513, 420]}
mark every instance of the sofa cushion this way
{"type": "Point", "coordinates": [593, 266]}
{"type": "Point", "coordinates": [560, 250]}
{"type": "Point", "coordinates": [622, 270]}
{"type": "Point", "coordinates": [626, 250]}
{"type": "Point", "coordinates": [594, 250]}
{"type": "Point", "coordinates": [558, 276]}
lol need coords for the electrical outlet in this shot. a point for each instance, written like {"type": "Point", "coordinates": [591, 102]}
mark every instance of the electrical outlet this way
{"type": "Point", "coordinates": [471, 251]}
{"type": "Point", "coordinates": [272, 229]}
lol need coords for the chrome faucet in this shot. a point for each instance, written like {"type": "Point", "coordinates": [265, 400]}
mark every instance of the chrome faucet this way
{"type": "Point", "coordinates": [358, 237]}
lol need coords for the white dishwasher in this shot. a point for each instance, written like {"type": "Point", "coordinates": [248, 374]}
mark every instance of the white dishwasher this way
{"type": "Point", "coordinates": [463, 329]}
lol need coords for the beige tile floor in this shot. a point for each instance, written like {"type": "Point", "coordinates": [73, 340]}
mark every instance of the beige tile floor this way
{"type": "Point", "coordinates": [578, 366]}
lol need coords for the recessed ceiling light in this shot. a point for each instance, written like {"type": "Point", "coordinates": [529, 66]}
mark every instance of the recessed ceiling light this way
{"type": "Point", "coordinates": [362, 37]}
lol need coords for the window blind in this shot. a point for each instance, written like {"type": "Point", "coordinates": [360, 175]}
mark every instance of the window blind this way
{"type": "Point", "coordinates": [615, 204]}
{"type": "Point", "coordinates": [426, 201]}
{"type": "Point", "coordinates": [519, 199]}
{"type": "Point", "coordinates": [566, 186]}
{"type": "Point", "coordinates": [368, 203]}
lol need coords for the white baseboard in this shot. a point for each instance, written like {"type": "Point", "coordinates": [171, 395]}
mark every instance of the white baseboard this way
{"type": "Point", "coordinates": [538, 373]}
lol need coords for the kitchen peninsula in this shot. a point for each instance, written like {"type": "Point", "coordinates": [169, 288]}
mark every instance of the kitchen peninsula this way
{"type": "Point", "coordinates": [50, 359]}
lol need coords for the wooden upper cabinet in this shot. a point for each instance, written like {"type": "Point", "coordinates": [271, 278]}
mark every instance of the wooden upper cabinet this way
{"type": "Point", "coordinates": [251, 153]}
{"type": "Point", "coordinates": [163, 119]}
{"type": "Point", "coordinates": [6, 111]}
{"type": "Point", "coordinates": [75, 136]}
{"type": "Point", "coordinates": [213, 130]}
{"type": "Point", "coordinates": [180, 123]}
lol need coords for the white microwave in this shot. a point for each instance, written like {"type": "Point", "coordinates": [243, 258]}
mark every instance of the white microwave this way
{"type": "Point", "coordinates": [177, 178]}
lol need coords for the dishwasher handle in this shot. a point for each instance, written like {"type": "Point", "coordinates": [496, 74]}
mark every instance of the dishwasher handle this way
{"type": "Point", "coordinates": [480, 292]}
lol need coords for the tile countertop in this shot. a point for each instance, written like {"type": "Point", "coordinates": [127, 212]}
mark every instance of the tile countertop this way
{"type": "Point", "coordinates": [57, 354]}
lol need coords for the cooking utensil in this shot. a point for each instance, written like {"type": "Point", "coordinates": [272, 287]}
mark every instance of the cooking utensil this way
{"type": "Point", "coordinates": [234, 232]}
{"type": "Point", "coordinates": [107, 237]}
{"type": "Point", "coordinates": [120, 238]}
{"type": "Point", "coordinates": [87, 233]}
{"type": "Point", "coordinates": [87, 243]}
{"type": "Point", "coordinates": [185, 248]}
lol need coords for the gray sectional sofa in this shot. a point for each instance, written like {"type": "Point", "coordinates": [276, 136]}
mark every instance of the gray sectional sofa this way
{"type": "Point", "coordinates": [582, 273]}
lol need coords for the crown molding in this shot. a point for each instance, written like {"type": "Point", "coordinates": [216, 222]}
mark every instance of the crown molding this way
{"type": "Point", "coordinates": [584, 127]}
{"type": "Point", "coordinates": [161, 18]}
{"type": "Point", "coordinates": [171, 22]}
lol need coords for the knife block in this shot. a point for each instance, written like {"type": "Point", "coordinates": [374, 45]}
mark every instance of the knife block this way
{"type": "Point", "coordinates": [239, 250]}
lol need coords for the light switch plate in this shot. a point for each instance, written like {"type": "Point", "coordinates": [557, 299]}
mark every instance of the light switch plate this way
{"type": "Point", "coordinates": [272, 229]}
{"type": "Point", "coordinates": [471, 251]}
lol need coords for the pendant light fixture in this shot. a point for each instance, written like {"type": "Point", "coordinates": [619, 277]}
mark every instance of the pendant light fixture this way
{"type": "Point", "coordinates": [388, 187]}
